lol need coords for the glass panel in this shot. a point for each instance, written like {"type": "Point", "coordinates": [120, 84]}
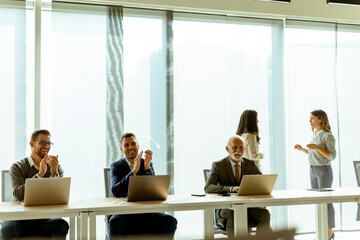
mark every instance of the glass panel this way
{"type": "Point", "coordinates": [219, 71]}
{"type": "Point", "coordinates": [348, 62]}
{"type": "Point", "coordinates": [310, 85]}
{"type": "Point", "coordinates": [145, 86]}
{"type": "Point", "coordinates": [14, 82]}
{"type": "Point", "coordinates": [73, 96]}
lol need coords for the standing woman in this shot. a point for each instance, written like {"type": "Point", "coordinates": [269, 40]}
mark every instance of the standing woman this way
{"type": "Point", "coordinates": [249, 130]}
{"type": "Point", "coordinates": [321, 151]}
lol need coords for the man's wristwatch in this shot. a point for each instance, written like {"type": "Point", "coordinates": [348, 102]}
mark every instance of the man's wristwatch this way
{"type": "Point", "coordinates": [147, 171]}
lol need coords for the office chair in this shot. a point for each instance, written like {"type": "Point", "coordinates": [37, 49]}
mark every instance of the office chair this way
{"type": "Point", "coordinates": [108, 193]}
{"type": "Point", "coordinates": [6, 188]}
{"type": "Point", "coordinates": [217, 228]}
{"type": "Point", "coordinates": [357, 174]}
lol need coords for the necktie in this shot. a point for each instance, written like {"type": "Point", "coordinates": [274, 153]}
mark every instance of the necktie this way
{"type": "Point", "coordinates": [237, 174]}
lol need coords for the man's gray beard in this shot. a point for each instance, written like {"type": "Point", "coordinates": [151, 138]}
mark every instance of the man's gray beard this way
{"type": "Point", "coordinates": [233, 156]}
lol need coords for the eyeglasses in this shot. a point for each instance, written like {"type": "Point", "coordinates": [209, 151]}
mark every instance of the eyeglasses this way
{"type": "Point", "coordinates": [44, 143]}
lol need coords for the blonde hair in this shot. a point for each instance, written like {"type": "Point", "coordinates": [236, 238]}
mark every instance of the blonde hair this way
{"type": "Point", "coordinates": [324, 119]}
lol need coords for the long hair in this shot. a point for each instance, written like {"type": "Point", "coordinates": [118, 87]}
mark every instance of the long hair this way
{"type": "Point", "coordinates": [324, 119]}
{"type": "Point", "coordinates": [248, 124]}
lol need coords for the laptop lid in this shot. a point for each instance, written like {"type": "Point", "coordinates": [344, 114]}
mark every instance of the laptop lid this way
{"type": "Point", "coordinates": [45, 191]}
{"type": "Point", "coordinates": [257, 184]}
{"type": "Point", "coordinates": [148, 187]}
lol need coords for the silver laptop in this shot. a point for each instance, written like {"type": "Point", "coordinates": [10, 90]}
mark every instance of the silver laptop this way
{"type": "Point", "coordinates": [257, 184]}
{"type": "Point", "coordinates": [45, 191]}
{"type": "Point", "coordinates": [147, 188]}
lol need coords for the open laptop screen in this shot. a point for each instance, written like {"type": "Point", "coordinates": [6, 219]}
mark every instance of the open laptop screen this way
{"type": "Point", "coordinates": [45, 191]}
{"type": "Point", "coordinates": [148, 187]}
{"type": "Point", "coordinates": [257, 184]}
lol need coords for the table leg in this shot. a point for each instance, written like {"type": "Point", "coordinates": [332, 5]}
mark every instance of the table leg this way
{"type": "Point", "coordinates": [72, 228]}
{"type": "Point", "coordinates": [240, 220]}
{"type": "Point", "coordinates": [209, 224]}
{"type": "Point", "coordinates": [92, 225]}
{"type": "Point", "coordinates": [84, 225]}
{"type": "Point", "coordinates": [321, 222]}
{"type": "Point", "coordinates": [78, 228]}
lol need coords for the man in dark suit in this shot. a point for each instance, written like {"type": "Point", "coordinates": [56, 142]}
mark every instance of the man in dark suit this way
{"type": "Point", "coordinates": [159, 224]}
{"type": "Point", "coordinates": [226, 176]}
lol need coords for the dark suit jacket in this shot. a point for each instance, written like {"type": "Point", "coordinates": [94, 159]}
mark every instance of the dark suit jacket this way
{"type": "Point", "coordinates": [222, 176]}
{"type": "Point", "coordinates": [120, 176]}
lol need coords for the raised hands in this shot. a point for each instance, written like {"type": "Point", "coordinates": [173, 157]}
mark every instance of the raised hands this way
{"type": "Point", "coordinates": [300, 148]}
{"type": "Point", "coordinates": [147, 161]}
{"type": "Point", "coordinates": [137, 162]}
{"type": "Point", "coordinates": [148, 158]}
{"type": "Point", "coordinates": [53, 162]}
{"type": "Point", "coordinates": [43, 166]}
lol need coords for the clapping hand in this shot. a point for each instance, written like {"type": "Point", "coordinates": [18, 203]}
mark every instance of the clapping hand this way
{"type": "Point", "coordinates": [43, 166]}
{"type": "Point", "coordinates": [53, 162]}
{"type": "Point", "coordinates": [148, 158]}
{"type": "Point", "coordinates": [137, 162]}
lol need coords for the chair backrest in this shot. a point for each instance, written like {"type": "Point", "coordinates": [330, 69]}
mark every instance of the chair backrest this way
{"type": "Point", "coordinates": [6, 187]}
{"type": "Point", "coordinates": [357, 171]}
{"type": "Point", "coordinates": [108, 192]}
{"type": "Point", "coordinates": [206, 174]}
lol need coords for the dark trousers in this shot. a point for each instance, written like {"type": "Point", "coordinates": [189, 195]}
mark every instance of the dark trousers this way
{"type": "Point", "coordinates": [154, 224]}
{"type": "Point", "coordinates": [257, 217]}
{"type": "Point", "coordinates": [54, 228]}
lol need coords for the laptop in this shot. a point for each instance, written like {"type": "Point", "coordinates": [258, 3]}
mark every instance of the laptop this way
{"type": "Point", "coordinates": [148, 188]}
{"type": "Point", "coordinates": [257, 184]}
{"type": "Point", "coordinates": [46, 191]}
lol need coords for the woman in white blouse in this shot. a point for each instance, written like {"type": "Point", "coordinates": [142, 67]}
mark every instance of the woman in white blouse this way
{"type": "Point", "coordinates": [249, 130]}
{"type": "Point", "coordinates": [321, 151]}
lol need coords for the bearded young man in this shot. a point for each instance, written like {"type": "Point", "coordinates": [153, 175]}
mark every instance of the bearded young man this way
{"type": "Point", "coordinates": [226, 176]}
{"type": "Point", "coordinates": [38, 165]}
{"type": "Point", "coordinates": [157, 225]}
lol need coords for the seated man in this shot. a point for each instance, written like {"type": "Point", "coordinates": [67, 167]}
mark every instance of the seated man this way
{"type": "Point", "coordinates": [226, 176]}
{"type": "Point", "coordinates": [38, 165]}
{"type": "Point", "coordinates": [159, 224]}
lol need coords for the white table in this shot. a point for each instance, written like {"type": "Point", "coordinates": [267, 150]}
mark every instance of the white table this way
{"type": "Point", "coordinates": [112, 206]}
{"type": "Point", "coordinates": [17, 211]}
{"type": "Point", "coordinates": [294, 197]}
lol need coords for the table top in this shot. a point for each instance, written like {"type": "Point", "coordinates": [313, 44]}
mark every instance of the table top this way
{"type": "Point", "coordinates": [108, 206]}
{"type": "Point", "coordinates": [301, 196]}
{"type": "Point", "coordinates": [17, 211]}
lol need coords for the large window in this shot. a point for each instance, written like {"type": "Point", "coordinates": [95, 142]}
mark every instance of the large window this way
{"type": "Point", "coordinates": [348, 60]}
{"type": "Point", "coordinates": [310, 85]}
{"type": "Point", "coordinates": [145, 83]}
{"type": "Point", "coordinates": [186, 77]}
{"type": "Point", "coordinates": [221, 70]}
{"type": "Point", "coordinates": [15, 103]}
{"type": "Point", "coordinates": [73, 95]}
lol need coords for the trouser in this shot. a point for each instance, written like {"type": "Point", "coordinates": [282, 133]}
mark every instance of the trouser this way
{"type": "Point", "coordinates": [54, 228]}
{"type": "Point", "coordinates": [156, 224]}
{"type": "Point", "coordinates": [322, 177]}
{"type": "Point", "coordinates": [257, 217]}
